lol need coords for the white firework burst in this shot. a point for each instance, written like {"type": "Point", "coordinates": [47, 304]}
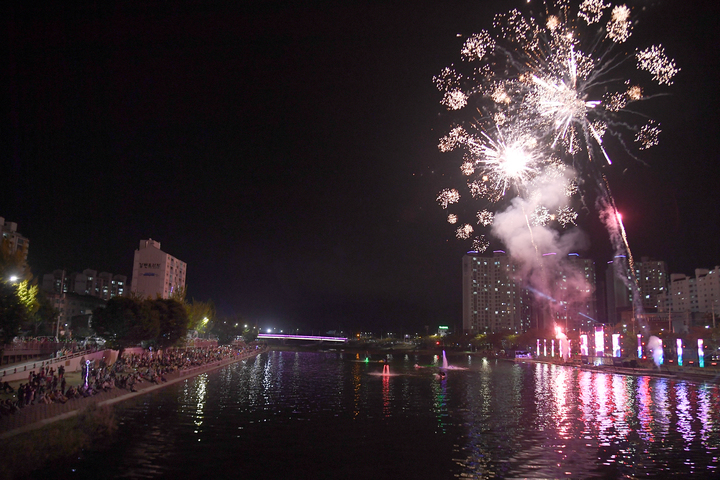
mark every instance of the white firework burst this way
{"type": "Point", "coordinates": [485, 217]}
{"type": "Point", "coordinates": [566, 216]}
{"type": "Point", "coordinates": [648, 135]}
{"type": "Point", "coordinates": [477, 45]}
{"type": "Point", "coordinates": [480, 244]}
{"type": "Point", "coordinates": [655, 61]}
{"type": "Point", "coordinates": [464, 232]}
{"type": "Point", "coordinates": [619, 27]}
{"type": "Point", "coordinates": [541, 216]}
{"type": "Point", "coordinates": [592, 10]}
{"type": "Point", "coordinates": [448, 196]}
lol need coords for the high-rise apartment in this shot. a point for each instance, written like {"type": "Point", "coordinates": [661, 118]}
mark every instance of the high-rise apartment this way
{"type": "Point", "coordinates": [156, 273]}
{"type": "Point", "coordinates": [576, 302]}
{"type": "Point", "coordinates": [652, 284]}
{"type": "Point", "coordinates": [493, 297]}
{"type": "Point", "coordinates": [696, 295]}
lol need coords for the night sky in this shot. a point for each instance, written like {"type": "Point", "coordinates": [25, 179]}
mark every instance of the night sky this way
{"type": "Point", "coordinates": [288, 151]}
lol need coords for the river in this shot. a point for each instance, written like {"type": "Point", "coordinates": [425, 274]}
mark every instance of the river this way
{"type": "Point", "coordinates": [332, 415]}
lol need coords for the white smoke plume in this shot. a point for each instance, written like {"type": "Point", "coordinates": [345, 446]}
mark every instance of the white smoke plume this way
{"type": "Point", "coordinates": [542, 251]}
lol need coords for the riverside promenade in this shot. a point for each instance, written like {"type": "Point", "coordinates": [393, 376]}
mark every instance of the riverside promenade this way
{"type": "Point", "coordinates": [37, 416]}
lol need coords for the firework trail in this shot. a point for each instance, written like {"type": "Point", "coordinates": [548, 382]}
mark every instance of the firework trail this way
{"type": "Point", "coordinates": [545, 91]}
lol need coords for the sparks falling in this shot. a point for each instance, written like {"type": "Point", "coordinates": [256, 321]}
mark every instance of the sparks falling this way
{"type": "Point", "coordinates": [548, 91]}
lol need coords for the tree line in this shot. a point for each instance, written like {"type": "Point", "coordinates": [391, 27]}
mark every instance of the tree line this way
{"type": "Point", "coordinates": [123, 322]}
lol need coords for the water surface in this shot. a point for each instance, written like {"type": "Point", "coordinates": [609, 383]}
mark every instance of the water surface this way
{"type": "Point", "coordinates": [334, 416]}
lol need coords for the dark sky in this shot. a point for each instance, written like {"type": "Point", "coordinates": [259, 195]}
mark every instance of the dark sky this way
{"type": "Point", "coordinates": [287, 151]}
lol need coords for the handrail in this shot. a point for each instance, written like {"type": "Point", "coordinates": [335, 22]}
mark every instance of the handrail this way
{"type": "Point", "coordinates": [34, 345]}
{"type": "Point", "coordinates": [43, 363]}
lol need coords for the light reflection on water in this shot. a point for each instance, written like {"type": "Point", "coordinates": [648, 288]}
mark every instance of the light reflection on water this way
{"type": "Point", "coordinates": [331, 415]}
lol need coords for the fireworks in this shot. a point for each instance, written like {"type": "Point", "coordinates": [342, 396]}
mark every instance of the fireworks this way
{"type": "Point", "coordinates": [448, 196]}
{"type": "Point", "coordinates": [480, 244]}
{"type": "Point", "coordinates": [648, 135]}
{"type": "Point", "coordinates": [547, 91]}
{"type": "Point", "coordinates": [653, 60]}
{"type": "Point", "coordinates": [566, 216]}
{"type": "Point", "coordinates": [485, 217]}
{"type": "Point", "coordinates": [463, 232]}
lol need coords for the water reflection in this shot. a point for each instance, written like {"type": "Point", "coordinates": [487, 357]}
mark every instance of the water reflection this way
{"type": "Point", "coordinates": [592, 425]}
{"type": "Point", "coordinates": [326, 415]}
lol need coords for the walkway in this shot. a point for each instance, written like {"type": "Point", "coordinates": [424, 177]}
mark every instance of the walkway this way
{"type": "Point", "coordinates": [37, 416]}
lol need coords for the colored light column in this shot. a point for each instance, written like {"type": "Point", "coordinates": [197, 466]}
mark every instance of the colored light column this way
{"type": "Point", "coordinates": [545, 347]}
{"type": "Point", "coordinates": [583, 345]}
{"type": "Point", "coordinates": [599, 342]}
{"type": "Point", "coordinates": [639, 346]}
{"type": "Point", "coordinates": [701, 353]}
{"type": "Point", "coordinates": [678, 342]}
{"type": "Point", "coordinates": [616, 344]}
{"type": "Point", "coordinates": [538, 347]}
{"type": "Point", "coordinates": [552, 347]}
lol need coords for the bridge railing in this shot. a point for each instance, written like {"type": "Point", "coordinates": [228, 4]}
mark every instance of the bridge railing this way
{"type": "Point", "coordinates": [317, 338]}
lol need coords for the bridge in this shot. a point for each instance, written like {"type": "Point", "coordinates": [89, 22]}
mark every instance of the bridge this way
{"type": "Point", "coordinates": [311, 338]}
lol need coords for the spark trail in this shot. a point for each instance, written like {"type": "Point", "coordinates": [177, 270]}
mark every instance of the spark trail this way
{"type": "Point", "coordinates": [545, 92]}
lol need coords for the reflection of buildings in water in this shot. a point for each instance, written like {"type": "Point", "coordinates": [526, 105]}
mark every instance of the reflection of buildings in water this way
{"type": "Point", "coordinates": [386, 396]}
{"type": "Point", "coordinates": [560, 402]}
{"type": "Point", "coordinates": [645, 412]}
{"type": "Point", "coordinates": [439, 392]}
{"type": "Point", "coordinates": [684, 412]}
{"type": "Point", "coordinates": [201, 382]}
{"type": "Point", "coordinates": [621, 385]}
{"type": "Point", "coordinates": [707, 397]}
{"type": "Point", "coordinates": [356, 378]}
{"type": "Point", "coordinates": [659, 391]}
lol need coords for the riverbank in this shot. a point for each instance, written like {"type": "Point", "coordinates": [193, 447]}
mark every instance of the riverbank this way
{"type": "Point", "coordinates": [33, 417]}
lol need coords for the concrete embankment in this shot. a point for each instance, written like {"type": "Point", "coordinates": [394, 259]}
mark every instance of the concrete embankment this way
{"type": "Point", "coordinates": [37, 416]}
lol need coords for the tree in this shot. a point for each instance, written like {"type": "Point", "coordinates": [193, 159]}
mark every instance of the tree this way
{"type": "Point", "coordinates": [179, 294]}
{"type": "Point", "coordinates": [201, 315]}
{"type": "Point", "coordinates": [227, 328]}
{"type": "Point", "coordinates": [250, 334]}
{"type": "Point", "coordinates": [12, 314]}
{"type": "Point", "coordinates": [125, 322]}
{"type": "Point", "coordinates": [12, 263]}
{"type": "Point", "coordinates": [45, 319]}
{"type": "Point", "coordinates": [28, 295]}
{"type": "Point", "coordinates": [172, 319]}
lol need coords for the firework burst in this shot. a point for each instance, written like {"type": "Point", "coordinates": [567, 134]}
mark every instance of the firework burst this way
{"type": "Point", "coordinates": [548, 90]}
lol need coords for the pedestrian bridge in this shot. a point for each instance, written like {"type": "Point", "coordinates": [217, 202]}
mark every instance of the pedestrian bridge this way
{"type": "Point", "coordinates": [305, 338]}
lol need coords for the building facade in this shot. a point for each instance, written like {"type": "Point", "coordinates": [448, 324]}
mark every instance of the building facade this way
{"type": "Point", "coordinates": [104, 285]}
{"type": "Point", "coordinates": [14, 239]}
{"type": "Point", "coordinates": [696, 297]}
{"type": "Point", "coordinates": [651, 278]}
{"type": "Point", "coordinates": [74, 312]}
{"type": "Point", "coordinates": [156, 273]}
{"type": "Point", "coordinates": [493, 296]}
{"type": "Point", "coordinates": [576, 291]}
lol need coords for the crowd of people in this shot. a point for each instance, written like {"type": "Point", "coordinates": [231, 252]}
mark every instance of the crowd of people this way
{"type": "Point", "coordinates": [50, 386]}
